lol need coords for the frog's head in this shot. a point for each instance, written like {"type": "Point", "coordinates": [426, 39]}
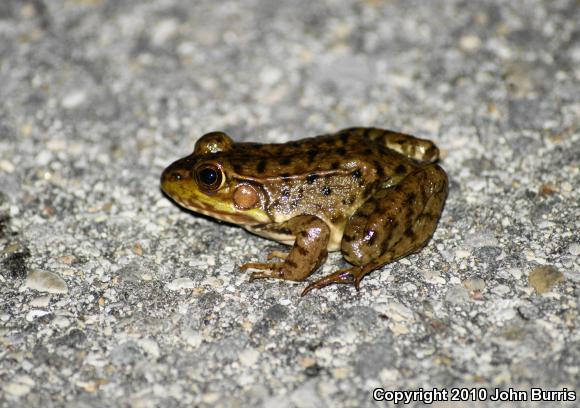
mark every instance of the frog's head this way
{"type": "Point", "coordinates": [204, 182]}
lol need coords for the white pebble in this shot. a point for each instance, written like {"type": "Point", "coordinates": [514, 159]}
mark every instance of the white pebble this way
{"type": "Point", "coordinates": [191, 337]}
{"type": "Point", "coordinates": [164, 31]}
{"type": "Point", "coordinates": [33, 314]}
{"type": "Point", "coordinates": [6, 166]}
{"type": "Point", "coordinates": [61, 322]}
{"type": "Point", "coordinates": [150, 347]}
{"type": "Point", "coordinates": [180, 283]}
{"type": "Point", "coordinates": [470, 42]}
{"type": "Point", "coordinates": [249, 357]}
{"type": "Point", "coordinates": [41, 301]}
{"type": "Point", "coordinates": [574, 249]}
{"type": "Point", "coordinates": [20, 386]}
{"type": "Point", "coordinates": [73, 99]}
{"type": "Point", "coordinates": [45, 282]}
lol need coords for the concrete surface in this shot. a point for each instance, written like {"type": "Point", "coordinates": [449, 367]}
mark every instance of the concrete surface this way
{"type": "Point", "coordinates": [112, 296]}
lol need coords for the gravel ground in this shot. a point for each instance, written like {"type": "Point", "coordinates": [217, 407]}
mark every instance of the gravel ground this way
{"type": "Point", "coordinates": [112, 296]}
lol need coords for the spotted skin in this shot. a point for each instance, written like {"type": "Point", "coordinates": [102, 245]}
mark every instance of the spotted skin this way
{"type": "Point", "coordinates": [393, 223]}
{"type": "Point", "coordinates": [374, 194]}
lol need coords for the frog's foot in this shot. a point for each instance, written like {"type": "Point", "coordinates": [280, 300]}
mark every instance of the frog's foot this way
{"type": "Point", "coordinates": [307, 254]}
{"type": "Point", "coordinates": [349, 276]}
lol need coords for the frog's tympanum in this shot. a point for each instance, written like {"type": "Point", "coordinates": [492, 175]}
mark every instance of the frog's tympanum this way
{"type": "Point", "coordinates": [374, 194]}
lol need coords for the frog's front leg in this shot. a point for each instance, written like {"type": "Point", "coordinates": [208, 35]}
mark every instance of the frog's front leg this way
{"type": "Point", "coordinates": [307, 254]}
{"type": "Point", "coordinates": [393, 223]}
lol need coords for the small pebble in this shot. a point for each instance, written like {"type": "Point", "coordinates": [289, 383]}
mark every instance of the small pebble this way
{"type": "Point", "coordinates": [191, 337]}
{"type": "Point", "coordinates": [61, 322]}
{"type": "Point", "coordinates": [74, 99]}
{"type": "Point", "coordinates": [19, 386]}
{"type": "Point", "coordinates": [456, 295]}
{"type": "Point", "coordinates": [180, 283]}
{"type": "Point", "coordinates": [41, 301]}
{"type": "Point", "coordinates": [544, 277]}
{"type": "Point", "coordinates": [249, 357]}
{"type": "Point", "coordinates": [46, 282]}
{"type": "Point", "coordinates": [474, 284]}
{"type": "Point", "coordinates": [150, 347]}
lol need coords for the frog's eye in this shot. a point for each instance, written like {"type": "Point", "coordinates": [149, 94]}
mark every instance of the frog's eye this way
{"type": "Point", "coordinates": [209, 177]}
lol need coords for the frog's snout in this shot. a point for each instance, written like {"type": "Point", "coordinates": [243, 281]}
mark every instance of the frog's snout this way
{"type": "Point", "coordinates": [173, 174]}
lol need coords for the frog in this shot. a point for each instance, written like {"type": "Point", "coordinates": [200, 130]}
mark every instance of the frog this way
{"type": "Point", "coordinates": [374, 194]}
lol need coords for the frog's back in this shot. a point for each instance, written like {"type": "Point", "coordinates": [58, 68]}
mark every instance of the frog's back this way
{"type": "Point", "coordinates": [343, 151]}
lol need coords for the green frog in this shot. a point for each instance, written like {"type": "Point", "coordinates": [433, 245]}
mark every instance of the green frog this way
{"type": "Point", "coordinates": [374, 194]}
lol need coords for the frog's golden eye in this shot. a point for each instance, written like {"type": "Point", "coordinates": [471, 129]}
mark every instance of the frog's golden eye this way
{"type": "Point", "coordinates": [209, 177]}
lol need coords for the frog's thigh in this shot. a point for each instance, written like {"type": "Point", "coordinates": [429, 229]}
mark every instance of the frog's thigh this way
{"type": "Point", "coordinates": [307, 254]}
{"type": "Point", "coordinates": [396, 221]}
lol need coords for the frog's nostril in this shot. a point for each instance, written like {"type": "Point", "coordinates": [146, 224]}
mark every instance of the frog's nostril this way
{"type": "Point", "coordinates": [171, 175]}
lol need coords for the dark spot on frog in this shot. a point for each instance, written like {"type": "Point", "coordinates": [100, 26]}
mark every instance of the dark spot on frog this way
{"type": "Point", "coordinates": [301, 250]}
{"type": "Point", "coordinates": [357, 173]}
{"type": "Point", "coordinates": [367, 132]}
{"type": "Point", "coordinates": [386, 243]}
{"type": "Point", "coordinates": [347, 238]}
{"type": "Point", "coordinates": [290, 263]}
{"type": "Point", "coordinates": [431, 152]}
{"type": "Point", "coordinates": [285, 193]}
{"type": "Point", "coordinates": [379, 169]}
{"type": "Point", "coordinates": [311, 178]}
{"type": "Point", "coordinates": [261, 166]}
{"type": "Point", "coordinates": [410, 234]}
{"type": "Point", "coordinates": [368, 151]}
{"type": "Point", "coordinates": [238, 168]}
{"type": "Point", "coordinates": [335, 165]}
{"type": "Point", "coordinates": [348, 201]}
{"type": "Point", "coordinates": [326, 190]}
{"type": "Point", "coordinates": [284, 161]}
{"type": "Point", "coordinates": [312, 155]}
{"type": "Point", "coordinates": [341, 151]}
{"type": "Point", "coordinates": [401, 169]}
{"type": "Point", "coordinates": [367, 190]}
{"type": "Point", "coordinates": [411, 199]}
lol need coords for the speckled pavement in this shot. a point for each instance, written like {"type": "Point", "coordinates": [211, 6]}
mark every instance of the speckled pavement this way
{"type": "Point", "coordinates": [111, 296]}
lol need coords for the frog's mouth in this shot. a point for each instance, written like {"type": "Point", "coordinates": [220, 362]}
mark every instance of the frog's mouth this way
{"type": "Point", "coordinates": [178, 185]}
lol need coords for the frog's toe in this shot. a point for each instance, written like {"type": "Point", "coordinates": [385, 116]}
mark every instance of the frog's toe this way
{"type": "Point", "coordinates": [344, 276]}
{"type": "Point", "coordinates": [269, 270]}
{"type": "Point", "coordinates": [277, 255]}
{"type": "Point", "coordinates": [262, 266]}
{"type": "Point", "coordinates": [265, 275]}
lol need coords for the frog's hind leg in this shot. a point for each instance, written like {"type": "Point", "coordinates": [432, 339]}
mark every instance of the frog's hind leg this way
{"type": "Point", "coordinates": [394, 223]}
{"type": "Point", "coordinates": [307, 254]}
